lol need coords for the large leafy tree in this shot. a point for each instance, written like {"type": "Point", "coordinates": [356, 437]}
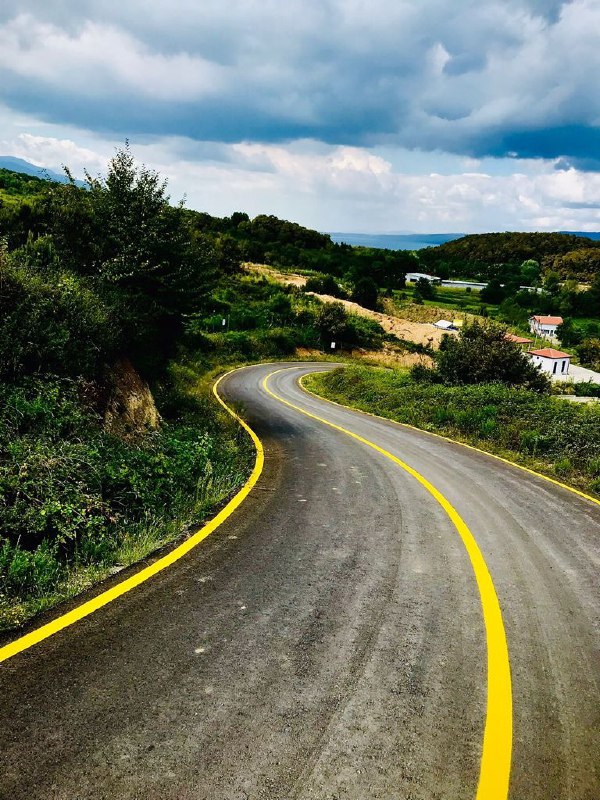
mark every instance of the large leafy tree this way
{"type": "Point", "coordinates": [145, 261]}
{"type": "Point", "coordinates": [481, 353]}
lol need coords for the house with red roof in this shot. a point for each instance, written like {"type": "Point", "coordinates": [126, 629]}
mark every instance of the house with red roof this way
{"type": "Point", "coordinates": [544, 325]}
{"type": "Point", "coordinates": [551, 361]}
{"type": "Point", "coordinates": [521, 340]}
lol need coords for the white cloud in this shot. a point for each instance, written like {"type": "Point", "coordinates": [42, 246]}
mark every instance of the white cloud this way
{"type": "Point", "coordinates": [101, 59]}
{"type": "Point", "coordinates": [340, 188]}
{"type": "Point", "coordinates": [53, 153]}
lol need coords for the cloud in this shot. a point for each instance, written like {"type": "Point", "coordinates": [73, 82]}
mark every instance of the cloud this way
{"type": "Point", "coordinates": [473, 77]}
{"type": "Point", "coordinates": [393, 115]}
{"type": "Point", "coordinates": [342, 187]}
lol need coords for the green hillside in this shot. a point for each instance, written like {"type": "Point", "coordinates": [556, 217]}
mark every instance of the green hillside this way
{"type": "Point", "coordinates": [489, 255]}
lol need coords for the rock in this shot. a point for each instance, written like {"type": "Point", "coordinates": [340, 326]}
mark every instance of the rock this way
{"type": "Point", "coordinates": [130, 408]}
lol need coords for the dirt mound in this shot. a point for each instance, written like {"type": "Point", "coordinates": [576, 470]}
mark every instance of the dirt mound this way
{"type": "Point", "coordinates": [418, 332]}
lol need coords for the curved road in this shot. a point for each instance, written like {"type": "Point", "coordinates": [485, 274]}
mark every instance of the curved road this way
{"type": "Point", "coordinates": [327, 641]}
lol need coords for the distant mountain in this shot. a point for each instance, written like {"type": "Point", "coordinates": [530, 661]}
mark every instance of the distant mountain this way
{"type": "Point", "coordinates": [26, 168]}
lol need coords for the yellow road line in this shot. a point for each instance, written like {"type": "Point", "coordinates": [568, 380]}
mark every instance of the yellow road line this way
{"type": "Point", "coordinates": [494, 774]}
{"type": "Point", "coordinates": [452, 441]}
{"type": "Point", "coordinates": [87, 608]}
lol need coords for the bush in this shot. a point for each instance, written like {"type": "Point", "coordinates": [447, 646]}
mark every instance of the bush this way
{"type": "Point", "coordinates": [587, 389]}
{"type": "Point", "coordinates": [332, 321]}
{"type": "Point", "coordinates": [363, 332]}
{"type": "Point", "coordinates": [481, 353]}
{"type": "Point", "coordinates": [589, 353]}
{"type": "Point", "coordinates": [325, 284]}
{"type": "Point", "coordinates": [52, 324]}
{"type": "Point", "coordinates": [70, 492]}
{"type": "Point", "coordinates": [365, 292]}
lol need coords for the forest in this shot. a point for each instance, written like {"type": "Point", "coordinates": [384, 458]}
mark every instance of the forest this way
{"type": "Point", "coordinates": [485, 256]}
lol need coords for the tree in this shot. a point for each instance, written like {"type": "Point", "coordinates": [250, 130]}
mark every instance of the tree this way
{"type": "Point", "coordinates": [552, 283]}
{"type": "Point", "coordinates": [332, 321]}
{"type": "Point", "coordinates": [568, 334]}
{"type": "Point", "coordinates": [512, 313]}
{"type": "Point", "coordinates": [492, 293]}
{"type": "Point", "coordinates": [589, 353]}
{"type": "Point", "coordinates": [147, 262]}
{"type": "Point", "coordinates": [530, 272]}
{"type": "Point", "coordinates": [481, 353]}
{"type": "Point", "coordinates": [425, 289]}
{"type": "Point", "coordinates": [365, 293]}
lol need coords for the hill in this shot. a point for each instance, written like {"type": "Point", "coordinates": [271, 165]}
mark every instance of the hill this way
{"type": "Point", "coordinates": [490, 255]}
{"type": "Point", "coordinates": [23, 167]}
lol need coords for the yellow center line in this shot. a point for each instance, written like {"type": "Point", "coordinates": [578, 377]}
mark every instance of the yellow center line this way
{"type": "Point", "coordinates": [87, 608]}
{"type": "Point", "coordinates": [487, 453]}
{"type": "Point", "coordinates": [494, 774]}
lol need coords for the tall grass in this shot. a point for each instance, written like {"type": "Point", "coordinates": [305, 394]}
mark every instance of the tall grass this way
{"type": "Point", "coordinates": [559, 438]}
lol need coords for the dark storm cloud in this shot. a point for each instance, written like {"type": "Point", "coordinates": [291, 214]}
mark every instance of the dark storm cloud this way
{"type": "Point", "coordinates": [493, 77]}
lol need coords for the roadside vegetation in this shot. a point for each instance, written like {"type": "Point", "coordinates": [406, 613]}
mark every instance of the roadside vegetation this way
{"type": "Point", "coordinates": [505, 410]}
{"type": "Point", "coordinates": [118, 309]}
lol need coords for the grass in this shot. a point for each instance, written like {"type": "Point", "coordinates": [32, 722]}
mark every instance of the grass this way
{"type": "Point", "coordinates": [77, 503]}
{"type": "Point", "coordinates": [549, 435]}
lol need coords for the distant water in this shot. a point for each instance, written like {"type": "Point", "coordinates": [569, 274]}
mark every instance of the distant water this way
{"type": "Point", "coordinates": [393, 241]}
{"type": "Point", "coordinates": [595, 235]}
{"type": "Point", "coordinates": [416, 241]}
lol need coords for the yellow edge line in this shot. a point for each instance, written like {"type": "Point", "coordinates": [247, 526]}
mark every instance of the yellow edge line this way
{"type": "Point", "coordinates": [87, 608]}
{"type": "Point", "coordinates": [448, 439]}
{"type": "Point", "coordinates": [494, 774]}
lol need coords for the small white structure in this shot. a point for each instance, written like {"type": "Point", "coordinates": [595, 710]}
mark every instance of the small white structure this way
{"type": "Point", "coordinates": [413, 277]}
{"type": "Point", "coordinates": [444, 324]}
{"type": "Point", "coordinates": [544, 326]}
{"type": "Point", "coordinates": [551, 361]}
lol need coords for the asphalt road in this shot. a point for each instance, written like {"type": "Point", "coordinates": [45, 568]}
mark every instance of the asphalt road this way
{"type": "Point", "coordinates": [327, 641]}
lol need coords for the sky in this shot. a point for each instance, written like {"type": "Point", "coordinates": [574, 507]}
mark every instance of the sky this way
{"type": "Point", "coordinates": [344, 115]}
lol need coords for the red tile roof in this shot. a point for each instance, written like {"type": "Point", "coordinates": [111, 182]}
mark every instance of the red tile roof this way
{"type": "Point", "coordinates": [548, 320]}
{"type": "Point", "coordinates": [517, 339]}
{"type": "Point", "coordinates": [549, 352]}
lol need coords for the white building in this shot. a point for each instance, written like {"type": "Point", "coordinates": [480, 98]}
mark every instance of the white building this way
{"type": "Point", "coordinates": [544, 326]}
{"type": "Point", "coordinates": [444, 324]}
{"type": "Point", "coordinates": [413, 277]}
{"type": "Point", "coordinates": [553, 362]}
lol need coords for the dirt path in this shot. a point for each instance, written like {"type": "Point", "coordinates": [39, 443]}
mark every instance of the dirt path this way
{"type": "Point", "coordinates": [418, 332]}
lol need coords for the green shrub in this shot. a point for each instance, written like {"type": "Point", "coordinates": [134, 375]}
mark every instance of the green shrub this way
{"type": "Point", "coordinates": [563, 467]}
{"type": "Point", "coordinates": [588, 389]}
{"type": "Point", "coordinates": [52, 324]}
{"type": "Point", "coordinates": [70, 492]}
{"type": "Point", "coordinates": [325, 284]}
{"type": "Point", "coordinates": [28, 573]}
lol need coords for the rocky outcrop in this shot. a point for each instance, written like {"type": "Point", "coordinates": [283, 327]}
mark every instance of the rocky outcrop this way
{"type": "Point", "coordinates": [130, 408]}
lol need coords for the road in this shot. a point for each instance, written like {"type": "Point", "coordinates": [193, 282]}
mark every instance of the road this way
{"type": "Point", "coordinates": [327, 641]}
